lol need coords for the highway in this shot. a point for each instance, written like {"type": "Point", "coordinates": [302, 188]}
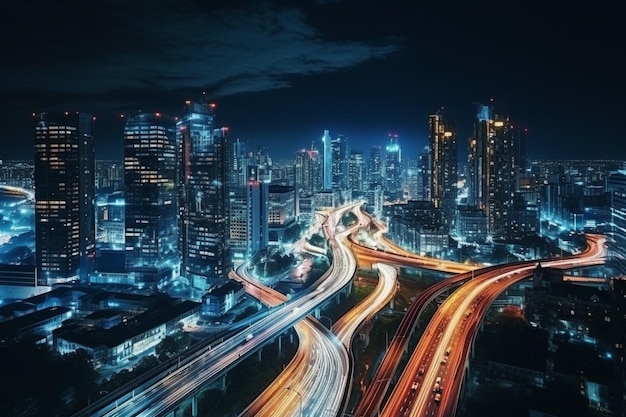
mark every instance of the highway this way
{"type": "Point", "coordinates": [161, 394]}
{"type": "Point", "coordinates": [438, 363]}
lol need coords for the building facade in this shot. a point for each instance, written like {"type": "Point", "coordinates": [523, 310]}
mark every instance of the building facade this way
{"type": "Point", "coordinates": [204, 222]}
{"type": "Point", "coordinates": [64, 197]}
{"type": "Point", "coordinates": [151, 211]}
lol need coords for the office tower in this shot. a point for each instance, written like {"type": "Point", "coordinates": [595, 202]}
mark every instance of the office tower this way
{"type": "Point", "coordinates": [204, 223]}
{"type": "Point", "coordinates": [444, 163]}
{"type": "Point", "coordinates": [281, 210]}
{"type": "Point", "coordinates": [64, 197]}
{"type": "Point", "coordinates": [375, 167]}
{"type": "Point", "coordinates": [248, 220]}
{"type": "Point", "coordinates": [110, 221]}
{"type": "Point", "coordinates": [424, 174]}
{"type": "Point", "coordinates": [307, 171]}
{"type": "Point", "coordinates": [492, 167]}
{"type": "Point", "coordinates": [616, 186]}
{"type": "Point", "coordinates": [327, 161]}
{"type": "Point", "coordinates": [340, 163]}
{"type": "Point", "coordinates": [150, 179]}
{"type": "Point", "coordinates": [393, 168]}
{"type": "Point", "coordinates": [357, 173]}
{"type": "Point", "coordinates": [411, 180]}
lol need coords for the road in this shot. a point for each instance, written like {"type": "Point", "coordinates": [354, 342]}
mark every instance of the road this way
{"type": "Point", "coordinates": [454, 326]}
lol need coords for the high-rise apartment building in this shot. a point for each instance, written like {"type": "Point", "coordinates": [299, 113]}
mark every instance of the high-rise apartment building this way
{"type": "Point", "coordinates": [393, 168]}
{"type": "Point", "coordinates": [375, 166]}
{"type": "Point", "coordinates": [64, 197]}
{"type": "Point", "coordinates": [340, 163]}
{"type": "Point", "coordinates": [151, 212]}
{"type": "Point", "coordinates": [327, 162]}
{"type": "Point", "coordinates": [248, 232]}
{"type": "Point", "coordinates": [492, 167]}
{"type": "Point", "coordinates": [204, 222]}
{"type": "Point", "coordinates": [424, 175]}
{"type": "Point", "coordinates": [357, 173]}
{"type": "Point", "coordinates": [444, 165]}
{"type": "Point", "coordinates": [307, 170]}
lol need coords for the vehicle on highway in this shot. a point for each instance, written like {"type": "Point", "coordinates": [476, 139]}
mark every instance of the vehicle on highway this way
{"type": "Point", "coordinates": [414, 386]}
{"type": "Point", "coordinates": [248, 338]}
{"type": "Point", "coordinates": [437, 397]}
{"type": "Point", "coordinates": [436, 387]}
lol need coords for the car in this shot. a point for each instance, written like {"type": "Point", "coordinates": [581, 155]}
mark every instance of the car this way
{"type": "Point", "coordinates": [444, 360]}
{"type": "Point", "coordinates": [448, 350]}
{"type": "Point", "coordinates": [438, 380]}
{"type": "Point", "coordinates": [437, 397]}
{"type": "Point", "coordinates": [421, 371]}
{"type": "Point", "coordinates": [248, 338]}
{"type": "Point", "coordinates": [436, 387]}
{"type": "Point", "coordinates": [414, 386]}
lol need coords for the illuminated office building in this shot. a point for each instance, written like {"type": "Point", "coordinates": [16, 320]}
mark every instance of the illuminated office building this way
{"type": "Point", "coordinates": [444, 162]}
{"type": "Point", "coordinates": [64, 197]}
{"type": "Point", "coordinates": [340, 163]}
{"type": "Point", "coordinates": [493, 167]}
{"type": "Point", "coordinates": [204, 215]}
{"type": "Point", "coordinates": [150, 178]}
{"type": "Point", "coordinates": [248, 220]}
{"type": "Point", "coordinates": [327, 162]}
{"type": "Point", "coordinates": [393, 168]}
{"type": "Point", "coordinates": [307, 171]}
{"type": "Point", "coordinates": [357, 173]}
{"type": "Point", "coordinates": [375, 167]}
{"type": "Point", "coordinates": [424, 175]}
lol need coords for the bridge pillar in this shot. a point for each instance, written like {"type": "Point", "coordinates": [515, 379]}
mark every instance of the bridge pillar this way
{"type": "Point", "coordinates": [317, 314]}
{"type": "Point", "coordinates": [338, 298]}
{"type": "Point", "coordinates": [280, 345]}
{"type": "Point", "coordinates": [194, 406]}
{"type": "Point", "coordinates": [259, 354]}
{"type": "Point", "coordinates": [222, 383]}
{"type": "Point", "coordinates": [291, 337]}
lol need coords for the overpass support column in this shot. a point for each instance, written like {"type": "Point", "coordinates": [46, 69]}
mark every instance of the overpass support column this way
{"type": "Point", "coordinates": [280, 345]}
{"type": "Point", "coordinates": [223, 383]}
{"type": "Point", "coordinates": [317, 314]}
{"type": "Point", "coordinates": [194, 405]}
{"type": "Point", "coordinates": [259, 354]}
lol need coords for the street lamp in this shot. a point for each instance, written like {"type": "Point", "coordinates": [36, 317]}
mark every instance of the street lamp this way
{"type": "Point", "coordinates": [299, 398]}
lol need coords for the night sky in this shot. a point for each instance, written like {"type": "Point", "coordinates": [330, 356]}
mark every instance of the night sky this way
{"type": "Point", "coordinates": [282, 72]}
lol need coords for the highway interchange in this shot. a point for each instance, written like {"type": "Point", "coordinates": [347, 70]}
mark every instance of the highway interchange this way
{"type": "Point", "coordinates": [319, 377]}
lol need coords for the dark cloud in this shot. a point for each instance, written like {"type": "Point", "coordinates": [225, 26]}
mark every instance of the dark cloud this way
{"type": "Point", "coordinates": [169, 45]}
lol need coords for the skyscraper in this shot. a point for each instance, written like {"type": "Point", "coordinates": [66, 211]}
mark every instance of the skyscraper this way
{"type": "Point", "coordinates": [64, 197]}
{"type": "Point", "coordinates": [340, 163]}
{"type": "Point", "coordinates": [204, 221]}
{"type": "Point", "coordinates": [150, 178]}
{"type": "Point", "coordinates": [307, 171]}
{"type": "Point", "coordinates": [393, 168]}
{"type": "Point", "coordinates": [444, 165]}
{"type": "Point", "coordinates": [375, 167]}
{"type": "Point", "coordinates": [492, 167]}
{"type": "Point", "coordinates": [327, 161]}
{"type": "Point", "coordinates": [357, 173]}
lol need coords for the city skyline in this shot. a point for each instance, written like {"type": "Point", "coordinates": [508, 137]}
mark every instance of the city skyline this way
{"type": "Point", "coordinates": [285, 74]}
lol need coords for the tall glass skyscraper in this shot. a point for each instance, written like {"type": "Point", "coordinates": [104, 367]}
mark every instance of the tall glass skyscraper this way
{"type": "Point", "coordinates": [393, 168]}
{"type": "Point", "coordinates": [340, 163]}
{"type": "Point", "coordinates": [444, 165]}
{"type": "Point", "coordinates": [327, 160]}
{"type": "Point", "coordinates": [150, 177]}
{"type": "Point", "coordinates": [64, 197]}
{"type": "Point", "coordinates": [204, 220]}
{"type": "Point", "coordinates": [492, 165]}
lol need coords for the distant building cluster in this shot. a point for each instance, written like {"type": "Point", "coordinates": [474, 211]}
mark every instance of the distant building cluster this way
{"type": "Point", "coordinates": [190, 202]}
